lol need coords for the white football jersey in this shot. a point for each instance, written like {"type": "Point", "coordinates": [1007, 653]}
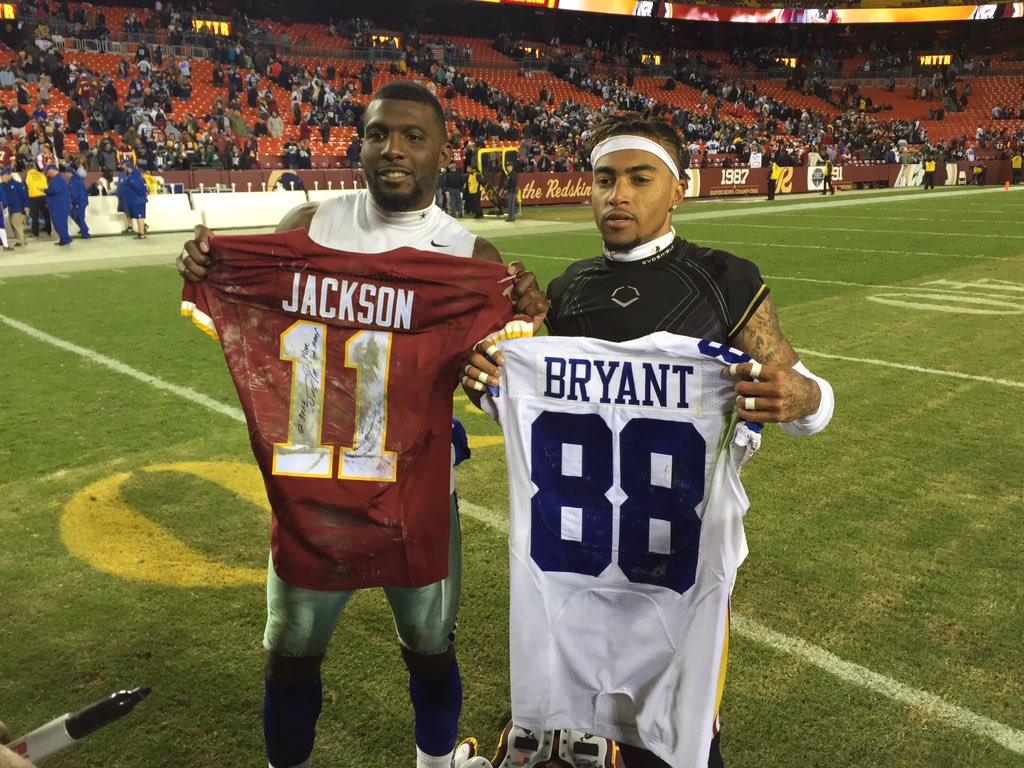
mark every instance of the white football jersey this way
{"type": "Point", "coordinates": [625, 535]}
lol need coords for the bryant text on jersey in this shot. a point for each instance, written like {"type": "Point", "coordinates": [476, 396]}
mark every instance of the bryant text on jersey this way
{"type": "Point", "coordinates": [622, 381]}
{"type": "Point", "coordinates": [364, 303]}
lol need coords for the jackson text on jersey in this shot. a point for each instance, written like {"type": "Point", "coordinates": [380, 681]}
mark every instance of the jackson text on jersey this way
{"type": "Point", "coordinates": [353, 301]}
{"type": "Point", "coordinates": [625, 381]}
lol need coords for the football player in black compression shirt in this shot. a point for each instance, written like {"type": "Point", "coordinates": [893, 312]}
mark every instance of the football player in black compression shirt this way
{"type": "Point", "coordinates": [648, 279]}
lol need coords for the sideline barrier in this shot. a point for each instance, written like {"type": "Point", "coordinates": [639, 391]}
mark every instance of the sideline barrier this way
{"type": "Point", "coordinates": [228, 210]}
{"type": "Point", "coordinates": [244, 209]}
{"type": "Point", "coordinates": [164, 213]}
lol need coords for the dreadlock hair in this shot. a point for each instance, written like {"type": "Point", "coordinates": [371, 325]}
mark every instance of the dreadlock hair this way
{"type": "Point", "coordinates": [633, 123]}
{"type": "Point", "coordinates": [406, 90]}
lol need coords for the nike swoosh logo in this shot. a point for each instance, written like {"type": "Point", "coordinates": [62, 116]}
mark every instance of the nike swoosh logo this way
{"type": "Point", "coordinates": [438, 245]}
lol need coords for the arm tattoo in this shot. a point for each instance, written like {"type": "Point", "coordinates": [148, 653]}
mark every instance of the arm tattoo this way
{"type": "Point", "coordinates": [762, 338]}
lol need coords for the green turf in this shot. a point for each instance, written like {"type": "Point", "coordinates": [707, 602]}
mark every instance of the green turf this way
{"type": "Point", "coordinates": [891, 540]}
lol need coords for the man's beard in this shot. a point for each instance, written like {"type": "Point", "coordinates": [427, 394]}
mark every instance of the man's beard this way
{"type": "Point", "coordinates": [621, 247]}
{"type": "Point", "coordinates": [395, 202]}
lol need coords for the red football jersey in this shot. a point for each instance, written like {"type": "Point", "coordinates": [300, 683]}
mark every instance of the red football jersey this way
{"type": "Point", "coordinates": [345, 364]}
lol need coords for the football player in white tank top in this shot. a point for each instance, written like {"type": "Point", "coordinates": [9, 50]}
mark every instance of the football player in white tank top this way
{"type": "Point", "coordinates": [405, 144]}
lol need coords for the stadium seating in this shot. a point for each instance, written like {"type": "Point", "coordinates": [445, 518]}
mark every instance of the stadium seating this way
{"type": "Point", "coordinates": [506, 75]}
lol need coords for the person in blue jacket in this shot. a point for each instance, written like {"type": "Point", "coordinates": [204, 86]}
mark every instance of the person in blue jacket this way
{"type": "Point", "coordinates": [134, 194]}
{"type": "Point", "coordinates": [58, 200]}
{"type": "Point", "coordinates": [79, 201]}
{"type": "Point", "coordinates": [17, 202]}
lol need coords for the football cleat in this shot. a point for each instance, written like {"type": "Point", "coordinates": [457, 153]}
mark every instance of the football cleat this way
{"type": "Point", "coordinates": [522, 748]}
{"type": "Point", "coordinates": [582, 750]}
{"type": "Point", "coordinates": [465, 752]}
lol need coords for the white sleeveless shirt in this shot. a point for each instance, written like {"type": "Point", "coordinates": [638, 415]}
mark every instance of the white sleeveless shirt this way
{"type": "Point", "coordinates": [354, 222]}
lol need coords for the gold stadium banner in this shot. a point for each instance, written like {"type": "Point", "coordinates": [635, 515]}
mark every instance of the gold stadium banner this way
{"type": "Point", "coordinates": [549, 188]}
{"type": "Point", "coordinates": [748, 15]}
{"type": "Point", "coordinates": [209, 25]}
{"type": "Point", "coordinates": [8, 11]}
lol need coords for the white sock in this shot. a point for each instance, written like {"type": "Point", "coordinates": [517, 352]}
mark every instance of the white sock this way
{"type": "Point", "coordinates": [304, 764]}
{"type": "Point", "coordinates": [423, 760]}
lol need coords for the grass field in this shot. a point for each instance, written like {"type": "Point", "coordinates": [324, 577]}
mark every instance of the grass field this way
{"type": "Point", "coordinates": [879, 616]}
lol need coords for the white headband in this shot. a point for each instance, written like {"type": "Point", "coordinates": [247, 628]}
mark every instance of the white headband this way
{"type": "Point", "coordinates": [630, 141]}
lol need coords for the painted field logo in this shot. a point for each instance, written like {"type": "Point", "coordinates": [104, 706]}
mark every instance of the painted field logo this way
{"type": "Point", "coordinates": [104, 531]}
{"type": "Point", "coordinates": [978, 297]}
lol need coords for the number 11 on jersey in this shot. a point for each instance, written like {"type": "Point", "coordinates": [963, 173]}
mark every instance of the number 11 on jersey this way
{"type": "Point", "coordinates": [304, 345]}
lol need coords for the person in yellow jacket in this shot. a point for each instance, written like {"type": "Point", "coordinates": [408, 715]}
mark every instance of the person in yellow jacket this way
{"type": "Point", "coordinates": [774, 174]}
{"type": "Point", "coordinates": [37, 183]}
{"type": "Point", "coordinates": [152, 185]}
{"type": "Point", "coordinates": [474, 188]}
{"type": "Point", "coordinates": [929, 172]}
{"type": "Point", "coordinates": [826, 183]}
{"type": "Point", "coordinates": [1015, 166]}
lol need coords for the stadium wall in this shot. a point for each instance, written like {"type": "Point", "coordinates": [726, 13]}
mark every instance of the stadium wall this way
{"type": "Point", "coordinates": [227, 200]}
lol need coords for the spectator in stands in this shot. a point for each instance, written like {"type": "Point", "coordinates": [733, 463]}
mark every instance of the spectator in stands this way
{"type": "Point", "coordinates": [106, 157]}
{"type": "Point", "coordinates": [75, 118]}
{"type": "Point", "coordinates": [18, 118]}
{"type": "Point", "coordinates": [43, 90]}
{"type": "Point", "coordinates": [275, 125]}
{"type": "Point", "coordinates": [209, 157]}
{"type": "Point", "coordinates": [354, 152]}
{"type": "Point", "coordinates": [304, 155]}
{"type": "Point", "coordinates": [239, 126]}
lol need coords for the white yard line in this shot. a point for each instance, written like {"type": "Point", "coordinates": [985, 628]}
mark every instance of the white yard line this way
{"type": "Point", "coordinates": [859, 249]}
{"type": "Point", "coordinates": [915, 368]}
{"type": "Point", "coordinates": [976, 218]}
{"type": "Point", "coordinates": [935, 706]}
{"type": "Point", "coordinates": [976, 289]}
{"type": "Point", "coordinates": [116, 365]}
{"type": "Point", "coordinates": [871, 231]}
{"type": "Point", "coordinates": [849, 672]}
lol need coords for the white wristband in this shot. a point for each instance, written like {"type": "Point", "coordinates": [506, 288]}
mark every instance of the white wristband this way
{"type": "Point", "coordinates": [815, 422]}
